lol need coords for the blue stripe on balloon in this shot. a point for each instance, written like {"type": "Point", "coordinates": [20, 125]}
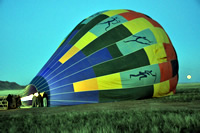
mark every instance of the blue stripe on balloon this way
{"type": "Point", "coordinates": [34, 80]}
{"type": "Point", "coordinates": [55, 63]}
{"type": "Point", "coordinates": [59, 52]}
{"type": "Point", "coordinates": [62, 89]}
{"type": "Point", "coordinates": [77, 96]}
{"type": "Point", "coordinates": [99, 57]}
{"type": "Point", "coordinates": [54, 73]}
{"type": "Point", "coordinates": [52, 65]}
{"type": "Point", "coordinates": [62, 103]}
{"type": "Point", "coordinates": [41, 82]}
{"type": "Point", "coordinates": [45, 90]}
{"type": "Point", "coordinates": [71, 36]}
{"type": "Point", "coordinates": [86, 74]}
{"type": "Point", "coordinates": [64, 66]}
{"type": "Point", "coordinates": [79, 71]}
{"type": "Point", "coordinates": [82, 68]}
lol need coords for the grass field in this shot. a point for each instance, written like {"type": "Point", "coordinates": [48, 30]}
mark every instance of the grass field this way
{"type": "Point", "coordinates": [14, 92]}
{"type": "Point", "coordinates": [172, 114]}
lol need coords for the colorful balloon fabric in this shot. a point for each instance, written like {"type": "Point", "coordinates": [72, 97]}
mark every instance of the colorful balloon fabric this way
{"type": "Point", "coordinates": [110, 56]}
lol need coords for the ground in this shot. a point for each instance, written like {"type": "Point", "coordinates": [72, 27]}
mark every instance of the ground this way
{"type": "Point", "coordinates": [176, 113]}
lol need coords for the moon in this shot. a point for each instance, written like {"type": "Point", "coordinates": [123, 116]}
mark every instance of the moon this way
{"type": "Point", "coordinates": [189, 77]}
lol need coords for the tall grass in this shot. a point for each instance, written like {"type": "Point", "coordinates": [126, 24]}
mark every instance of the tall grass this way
{"type": "Point", "coordinates": [150, 120]}
{"type": "Point", "coordinates": [172, 114]}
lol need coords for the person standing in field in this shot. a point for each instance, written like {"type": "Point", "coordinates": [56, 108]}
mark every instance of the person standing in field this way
{"type": "Point", "coordinates": [9, 99]}
{"type": "Point", "coordinates": [19, 103]}
{"type": "Point", "coordinates": [45, 99]}
{"type": "Point", "coordinates": [39, 99]}
{"type": "Point", "coordinates": [34, 101]}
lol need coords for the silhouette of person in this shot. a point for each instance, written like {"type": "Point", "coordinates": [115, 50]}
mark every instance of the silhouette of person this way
{"type": "Point", "coordinates": [34, 101]}
{"type": "Point", "coordinates": [19, 103]}
{"type": "Point", "coordinates": [39, 100]}
{"type": "Point", "coordinates": [9, 99]}
{"type": "Point", "coordinates": [113, 21]}
{"type": "Point", "coordinates": [45, 99]}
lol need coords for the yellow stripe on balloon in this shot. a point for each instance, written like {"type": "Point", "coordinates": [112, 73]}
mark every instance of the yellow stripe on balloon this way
{"type": "Point", "coordinates": [160, 35]}
{"type": "Point", "coordinates": [84, 41]}
{"type": "Point", "coordinates": [137, 25]}
{"type": "Point", "coordinates": [162, 89]}
{"type": "Point", "coordinates": [114, 12]}
{"type": "Point", "coordinates": [156, 53]}
{"type": "Point", "coordinates": [112, 81]}
{"type": "Point", "coordinates": [69, 54]}
{"type": "Point", "coordinates": [86, 85]}
{"type": "Point", "coordinates": [107, 82]}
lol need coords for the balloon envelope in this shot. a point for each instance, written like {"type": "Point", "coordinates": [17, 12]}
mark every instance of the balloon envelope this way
{"type": "Point", "coordinates": [110, 56]}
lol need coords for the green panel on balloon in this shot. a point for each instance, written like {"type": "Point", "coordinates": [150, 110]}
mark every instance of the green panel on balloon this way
{"type": "Point", "coordinates": [126, 94]}
{"type": "Point", "coordinates": [108, 38]}
{"type": "Point", "coordinates": [136, 42]}
{"type": "Point", "coordinates": [147, 75]}
{"type": "Point", "coordinates": [134, 60]}
{"type": "Point", "coordinates": [87, 27]}
{"type": "Point", "coordinates": [107, 24]}
{"type": "Point", "coordinates": [114, 51]}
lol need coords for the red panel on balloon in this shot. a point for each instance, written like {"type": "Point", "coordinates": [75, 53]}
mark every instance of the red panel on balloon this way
{"type": "Point", "coordinates": [173, 83]}
{"type": "Point", "coordinates": [171, 55]}
{"type": "Point", "coordinates": [165, 71]}
{"type": "Point", "coordinates": [131, 15]}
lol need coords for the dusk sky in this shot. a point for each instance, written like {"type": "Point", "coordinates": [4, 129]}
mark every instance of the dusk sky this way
{"type": "Point", "coordinates": [31, 31]}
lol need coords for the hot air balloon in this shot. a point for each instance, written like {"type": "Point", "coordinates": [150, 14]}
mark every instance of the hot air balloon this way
{"type": "Point", "coordinates": [110, 56]}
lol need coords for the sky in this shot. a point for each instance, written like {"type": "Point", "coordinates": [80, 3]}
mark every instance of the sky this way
{"type": "Point", "coordinates": [31, 31]}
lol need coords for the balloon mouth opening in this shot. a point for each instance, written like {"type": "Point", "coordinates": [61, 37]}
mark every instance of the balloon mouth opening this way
{"type": "Point", "coordinates": [28, 94]}
{"type": "Point", "coordinates": [29, 89]}
{"type": "Point", "coordinates": [32, 90]}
